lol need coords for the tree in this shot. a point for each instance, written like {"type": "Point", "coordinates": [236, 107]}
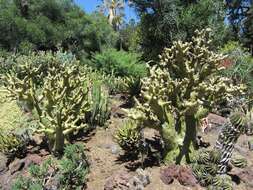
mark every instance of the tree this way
{"type": "Point", "coordinates": [162, 22]}
{"type": "Point", "coordinates": [31, 25]}
{"type": "Point", "coordinates": [115, 11]}
{"type": "Point", "coordinates": [248, 30]}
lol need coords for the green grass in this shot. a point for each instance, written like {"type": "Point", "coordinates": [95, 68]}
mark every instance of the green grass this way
{"type": "Point", "coordinates": [11, 115]}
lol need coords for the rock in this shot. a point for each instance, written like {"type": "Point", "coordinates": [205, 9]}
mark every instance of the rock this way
{"type": "Point", "coordinates": [118, 181]}
{"type": "Point", "coordinates": [37, 138]}
{"type": "Point", "coordinates": [43, 153]}
{"type": "Point", "coordinates": [16, 165]}
{"type": "Point", "coordinates": [143, 176]}
{"type": "Point", "coordinates": [212, 121]}
{"type": "Point", "coordinates": [33, 159]}
{"type": "Point", "coordinates": [139, 181]}
{"type": "Point", "coordinates": [125, 181]}
{"type": "Point", "coordinates": [182, 174]}
{"type": "Point", "coordinates": [115, 149]}
{"type": "Point", "coordinates": [3, 163]}
{"type": "Point", "coordinates": [185, 177]}
{"type": "Point", "coordinates": [168, 174]}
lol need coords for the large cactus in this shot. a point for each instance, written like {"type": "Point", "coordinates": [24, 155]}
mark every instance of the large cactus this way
{"type": "Point", "coordinates": [58, 93]}
{"type": "Point", "coordinates": [185, 84]}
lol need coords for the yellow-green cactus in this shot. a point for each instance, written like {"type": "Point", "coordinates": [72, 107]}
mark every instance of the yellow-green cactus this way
{"type": "Point", "coordinates": [184, 83]}
{"type": "Point", "coordinates": [58, 92]}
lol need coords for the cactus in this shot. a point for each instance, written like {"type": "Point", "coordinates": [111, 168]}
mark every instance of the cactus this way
{"type": "Point", "coordinates": [14, 143]}
{"type": "Point", "coordinates": [99, 109]}
{"type": "Point", "coordinates": [231, 131]}
{"type": "Point", "coordinates": [239, 162]}
{"type": "Point", "coordinates": [184, 83]}
{"type": "Point", "coordinates": [129, 138]}
{"type": "Point", "coordinates": [215, 162]}
{"type": "Point", "coordinates": [58, 93]}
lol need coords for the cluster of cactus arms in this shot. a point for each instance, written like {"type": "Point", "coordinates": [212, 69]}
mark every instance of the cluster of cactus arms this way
{"type": "Point", "coordinates": [185, 84]}
{"type": "Point", "coordinates": [236, 126]}
{"type": "Point", "coordinates": [60, 98]}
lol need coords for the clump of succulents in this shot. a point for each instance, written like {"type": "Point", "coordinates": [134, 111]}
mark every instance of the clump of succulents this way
{"type": "Point", "coordinates": [180, 89]}
{"type": "Point", "coordinates": [67, 173]}
{"type": "Point", "coordinates": [129, 138]}
{"type": "Point", "coordinates": [210, 166]}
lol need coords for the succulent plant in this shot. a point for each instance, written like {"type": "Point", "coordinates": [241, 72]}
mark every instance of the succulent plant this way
{"type": "Point", "coordinates": [185, 84]}
{"type": "Point", "coordinates": [58, 93]}
{"type": "Point", "coordinates": [239, 162]}
{"type": "Point", "coordinates": [129, 138]}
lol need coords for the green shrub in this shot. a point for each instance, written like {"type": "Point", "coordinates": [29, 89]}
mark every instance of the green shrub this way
{"type": "Point", "coordinates": [73, 167]}
{"type": "Point", "coordinates": [68, 173]}
{"type": "Point", "coordinates": [100, 104]}
{"type": "Point", "coordinates": [241, 66]}
{"type": "Point", "coordinates": [120, 63]}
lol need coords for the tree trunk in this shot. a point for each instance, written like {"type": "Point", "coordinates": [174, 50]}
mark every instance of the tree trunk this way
{"type": "Point", "coordinates": [190, 138]}
{"type": "Point", "coordinates": [59, 141]}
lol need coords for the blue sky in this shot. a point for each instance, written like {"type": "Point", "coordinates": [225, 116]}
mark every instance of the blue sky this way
{"type": "Point", "coordinates": [90, 6]}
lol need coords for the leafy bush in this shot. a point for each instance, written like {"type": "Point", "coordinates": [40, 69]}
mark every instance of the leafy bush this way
{"type": "Point", "coordinates": [120, 63]}
{"type": "Point", "coordinates": [68, 173]}
{"type": "Point", "coordinates": [239, 64]}
{"type": "Point", "coordinates": [73, 167]}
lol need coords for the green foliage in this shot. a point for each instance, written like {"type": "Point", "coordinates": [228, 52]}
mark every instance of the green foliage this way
{"type": "Point", "coordinates": [73, 167]}
{"type": "Point", "coordinates": [12, 145]}
{"type": "Point", "coordinates": [100, 104]}
{"type": "Point", "coordinates": [240, 64]}
{"type": "Point", "coordinates": [162, 22]}
{"type": "Point", "coordinates": [68, 173]}
{"type": "Point", "coordinates": [61, 102]}
{"type": "Point", "coordinates": [185, 81]}
{"type": "Point", "coordinates": [129, 138]}
{"type": "Point", "coordinates": [51, 24]}
{"type": "Point", "coordinates": [239, 162]}
{"type": "Point", "coordinates": [120, 63]}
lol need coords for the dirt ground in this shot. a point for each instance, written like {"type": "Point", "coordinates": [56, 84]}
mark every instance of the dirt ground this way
{"type": "Point", "coordinates": [104, 160]}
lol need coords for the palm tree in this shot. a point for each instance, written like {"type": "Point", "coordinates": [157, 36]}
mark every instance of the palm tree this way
{"type": "Point", "coordinates": [115, 11]}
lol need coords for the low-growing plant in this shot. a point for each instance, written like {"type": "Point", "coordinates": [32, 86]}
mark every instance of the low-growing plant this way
{"type": "Point", "coordinates": [129, 138]}
{"type": "Point", "coordinates": [73, 167]}
{"type": "Point", "coordinates": [239, 63]}
{"type": "Point", "coordinates": [100, 104]}
{"type": "Point", "coordinates": [67, 173]}
{"type": "Point", "coordinates": [12, 145]}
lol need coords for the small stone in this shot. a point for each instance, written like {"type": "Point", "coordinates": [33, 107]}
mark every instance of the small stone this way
{"type": "Point", "coordinates": [3, 163]}
{"type": "Point", "coordinates": [118, 181]}
{"type": "Point", "coordinates": [43, 153]}
{"type": "Point", "coordinates": [16, 165]}
{"type": "Point", "coordinates": [115, 149]}
{"type": "Point", "coordinates": [250, 145]}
